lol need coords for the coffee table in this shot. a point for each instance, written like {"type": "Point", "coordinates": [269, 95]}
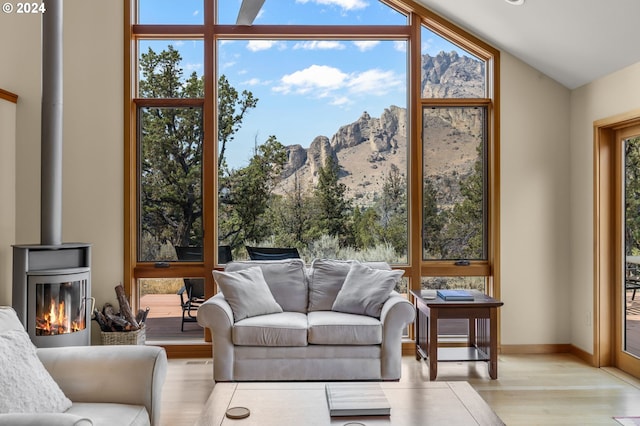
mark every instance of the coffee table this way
{"type": "Point", "coordinates": [304, 403]}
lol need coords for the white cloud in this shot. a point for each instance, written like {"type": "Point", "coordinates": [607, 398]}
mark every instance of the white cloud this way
{"type": "Point", "coordinates": [365, 45]}
{"type": "Point", "coordinates": [319, 45]}
{"type": "Point", "coordinates": [374, 82]}
{"type": "Point", "coordinates": [400, 46]}
{"type": "Point", "coordinates": [325, 82]}
{"type": "Point", "coordinates": [252, 82]}
{"type": "Point", "coordinates": [316, 79]}
{"type": "Point", "coordinates": [344, 4]}
{"type": "Point", "coordinates": [227, 65]}
{"type": "Point", "coordinates": [192, 67]}
{"type": "Point", "coordinates": [343, 100]}
{"type": "Point", "coordinates": [258, 45]}
{"type": "Point", "coordinates": [196, 12]}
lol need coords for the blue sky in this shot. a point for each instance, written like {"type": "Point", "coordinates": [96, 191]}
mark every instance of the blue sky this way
{"type": "Point", "coordinates": [305, 88]}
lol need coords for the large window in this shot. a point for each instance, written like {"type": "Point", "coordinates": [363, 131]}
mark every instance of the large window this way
{"type": "Point", "coordinates": [362, 130]}
{"type": "Point", "coordinates": [317, 156]}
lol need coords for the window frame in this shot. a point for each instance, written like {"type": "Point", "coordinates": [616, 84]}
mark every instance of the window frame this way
{"type": "Point", "coordinates": [210, 32]}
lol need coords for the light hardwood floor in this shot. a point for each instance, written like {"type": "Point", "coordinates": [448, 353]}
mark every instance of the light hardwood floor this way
{"type": "Point", "coordinates": [531, 390]}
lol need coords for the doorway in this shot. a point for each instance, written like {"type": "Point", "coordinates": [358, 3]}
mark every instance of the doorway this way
{"type": "Point", "coordinates": [617, 233]}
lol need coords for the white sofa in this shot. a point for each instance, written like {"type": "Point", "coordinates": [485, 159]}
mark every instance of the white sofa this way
{"type": "Point", "coordinates": [309, 339]}
{"type": "Point", "coordinates": [106, 385]}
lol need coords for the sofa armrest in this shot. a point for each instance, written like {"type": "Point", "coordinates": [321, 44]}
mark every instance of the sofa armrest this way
{"type": "Point", "coordinates": [397, 313]}
{"type": "Point", "coordinates": [117, 374]}
{"type": "Point", "coordinates": [216, 315]}
{"type": "Point", "coordinates": [45, 419]}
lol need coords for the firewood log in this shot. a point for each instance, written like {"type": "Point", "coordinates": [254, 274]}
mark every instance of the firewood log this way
{"type": "Point", "coordinates": [118, 321]}
{"type": "Point", "coordinates": [108, 309]}
{"type": "Point", "coordinates": [101, 320]}
{"type": "Point", "coordinates": [125, 308]}
{"type": "Point", "coordinates": [140, 315]}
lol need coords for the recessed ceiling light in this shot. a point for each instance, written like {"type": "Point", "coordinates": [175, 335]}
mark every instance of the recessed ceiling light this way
{"type": "Point", "coordinates": [515, 2]}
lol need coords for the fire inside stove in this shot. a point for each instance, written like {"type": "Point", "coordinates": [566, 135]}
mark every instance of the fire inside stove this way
{"type": "Point", "coordinates": [60, 308]}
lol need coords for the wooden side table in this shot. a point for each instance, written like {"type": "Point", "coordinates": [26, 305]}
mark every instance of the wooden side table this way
{"type": "Point", "coordinates": [482, 344]}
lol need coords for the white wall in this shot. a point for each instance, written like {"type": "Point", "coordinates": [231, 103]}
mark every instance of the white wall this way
{"type": "Point", "coordinates": [611, 95]}
{"type": "Point", "coordinates": [93, 131]}
{"type": "Point", "coordinates": [534, 206]}
{"type": "Point", "coordinates": [7, 195]}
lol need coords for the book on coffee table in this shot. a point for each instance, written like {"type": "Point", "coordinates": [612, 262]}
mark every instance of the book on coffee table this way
{"type": "Point", "coordinates": [357, 399]}
{"type": "Point", "coordinates": [461, 295]}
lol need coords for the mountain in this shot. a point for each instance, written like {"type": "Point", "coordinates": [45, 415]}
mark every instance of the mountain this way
{"type": "Point", "coordinates": [367, 148]}
{"type": "Point", "coordinates": [449, 75]}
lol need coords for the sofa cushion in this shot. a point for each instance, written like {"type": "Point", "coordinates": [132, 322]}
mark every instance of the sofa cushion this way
{"type": "Point", "coordinates": [283, 329]}
{"type": "Point", "coordinates": [365, 290]}
{"type": "Point", "coordinates": [337, 328]}
{"type": "Point", "coordinates": [25, 385]}
{"type": "Point", "coordinates": [326, 279]}
{"type": "Point", "coordinates": [247, 293]}
{"type": "Point", "coordinates": [111, 414]}
{"type": "Point", "coordinates": [286, 279]}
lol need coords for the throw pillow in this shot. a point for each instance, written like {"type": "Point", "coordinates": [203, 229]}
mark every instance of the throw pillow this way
{"type": "Point", "coordinates": [25, 384]}
{"type": "Point", "coordinates": [365, 290]}
{"type": "Point", "coordinates": [286, 280]}
{"type": "Point", "coordinates": [327, 277]}
{"type": "Point", "coordinates": [247, 293]}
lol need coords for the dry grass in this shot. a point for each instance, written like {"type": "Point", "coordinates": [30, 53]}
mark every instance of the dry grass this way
{"type": "Point", "coordinates": [160, 285]}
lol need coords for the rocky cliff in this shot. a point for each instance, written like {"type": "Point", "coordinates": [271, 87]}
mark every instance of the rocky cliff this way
{"type": "Point", "coordinates": [367, 148]}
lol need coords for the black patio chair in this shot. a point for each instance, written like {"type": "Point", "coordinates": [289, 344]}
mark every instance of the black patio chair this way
{"type": "Point", "coordinates": [192, 292]}
{"type": "Point", "coordinates": [272, 253]}
{"type": "Point", "coordinates": [632, 279]}
{"type": "Point", "coordinates": [224, 255]}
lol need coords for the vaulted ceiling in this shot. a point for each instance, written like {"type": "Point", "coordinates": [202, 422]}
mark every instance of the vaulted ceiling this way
{"type": "Point", "coordinates": [572, 41]}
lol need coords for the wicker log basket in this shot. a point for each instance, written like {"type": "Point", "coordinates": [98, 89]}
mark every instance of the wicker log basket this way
{"type": "Point", "coordinates": [121, 328]}
{"type": "Point", "coordinates": [135, 337]}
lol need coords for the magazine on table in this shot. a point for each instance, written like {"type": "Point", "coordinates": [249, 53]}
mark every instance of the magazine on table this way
{"type": "Point", "coordinates": [357, 399]}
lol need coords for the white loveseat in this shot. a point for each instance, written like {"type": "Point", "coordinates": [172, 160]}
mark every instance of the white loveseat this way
{"type": "Point", "coordinates": [311, 338]}
{"type": "Point", "coordinates": [104, 385]}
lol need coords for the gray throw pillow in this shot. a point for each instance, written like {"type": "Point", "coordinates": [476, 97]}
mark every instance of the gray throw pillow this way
{"type": "Point", "coordinates": [247, 293]}
{"type": "Point", "coordinates": [286, 280]}
{"type": "Point", "coordinates": [365, 290]}
{"type": "Point", "coordinates": [327, 277]}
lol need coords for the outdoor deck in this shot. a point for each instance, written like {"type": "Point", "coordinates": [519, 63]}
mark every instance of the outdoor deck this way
{"type": "Point", "coordinates": [163, 323]}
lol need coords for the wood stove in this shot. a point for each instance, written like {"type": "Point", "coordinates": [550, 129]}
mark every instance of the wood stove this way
{"type": "Point", "coordinates": [52, 280]}
{"type": "Point", "coordinates": [52, 293]}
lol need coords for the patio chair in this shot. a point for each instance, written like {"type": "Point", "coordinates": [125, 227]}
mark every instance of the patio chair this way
{"type": "Point", "coordinates": [632, 279]}
{"type": "Point", "coordinates": [272, 253]}
{"type": "Point", "coordinates": [192, 292]}
{"type": "Point", "coordinates": [191, 297]}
